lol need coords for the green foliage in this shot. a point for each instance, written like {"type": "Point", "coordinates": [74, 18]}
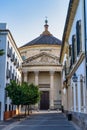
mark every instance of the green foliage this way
{"type": "Point", "coordinates": [1, 52]}
{"type": "Point", "coordinates": [31, 94]}
{"type": "Point", "coordinates": [24, 94]}
{"type": "Point", "coordinates": [15, 93]}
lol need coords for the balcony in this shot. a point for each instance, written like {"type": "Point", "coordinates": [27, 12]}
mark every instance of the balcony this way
{"type": "Point", "coordinates": [17, 65]}
{"type": "Point", "coordinates": [13, 77]}
{"type": "Point", "coordinates": [15, 61]}
{"type": "Point", "coordinates": [12, 57]}
{"type": "Point", "coordinates": [8, 73]}
{"type": "Point", "coordinates": [9, 52]}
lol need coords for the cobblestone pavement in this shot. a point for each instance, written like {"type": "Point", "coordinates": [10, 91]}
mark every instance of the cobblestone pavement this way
{"type": "Point", "coordinates": [40, 121]}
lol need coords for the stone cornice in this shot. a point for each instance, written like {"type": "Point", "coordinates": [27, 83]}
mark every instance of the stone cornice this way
{"type": "Point", "coordinates": [12, 42]}
{"type": "Point", "coordinates": [32, 65]}
{"type": "Point", "coordinates": [68, 25]}
{"type": "Point", "coordinates": [42, 68]}
{"type": "Point", "coordinates": [34, 46]}
{"type": "Point", "coordinates": [76, 65]}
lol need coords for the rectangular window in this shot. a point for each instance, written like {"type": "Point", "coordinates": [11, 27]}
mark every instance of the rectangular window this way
{"type": "Point", "coordinates": [7, 65]}
{"type": "Point", "coordinates": [5, 107]}
{"type": "Point", "coordinates": [76, 96]}
{"type": "Point", "coordinates": [82, 97]}
{"type": "Point", "coordinates": [11, 72]}
{"type": "Point", "coordinates": [23, 57]}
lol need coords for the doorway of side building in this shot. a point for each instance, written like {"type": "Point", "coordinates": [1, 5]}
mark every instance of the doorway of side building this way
{"type": "Point", "coordinates": [44, 101]}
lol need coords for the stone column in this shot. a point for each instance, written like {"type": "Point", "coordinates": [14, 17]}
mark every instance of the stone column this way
{"type": "Point", "coordinates": [74, 90]}
{"type": "Point", "coordinates": [25, 76]}
{"type": "Point", "coordinates": [51, 89]}
{"type": "Point", "coordinates": [36, 77]}
{"type": "Point", "coordinates": [84, 94]}
{"type": "Point", "coordinates": [36, 83]}
{"type": "Point", "coordinates": [79, 94]}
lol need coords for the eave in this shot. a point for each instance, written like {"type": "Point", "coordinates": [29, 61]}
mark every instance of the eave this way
{"type": "Point", "coordinates": [68, 25]}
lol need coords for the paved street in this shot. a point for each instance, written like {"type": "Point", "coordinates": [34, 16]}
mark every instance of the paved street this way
{"type": "Point", "coordinates": [40, 121]}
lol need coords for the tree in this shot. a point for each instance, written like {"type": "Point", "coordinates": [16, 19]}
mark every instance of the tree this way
{"type": "Point", "coordinates": [1, 52]}
{"type": "Point", "coordinates": [31, 94]}
{"type": "Point", "coordinates": [15, 93]}
{"type": "Point", "coordinates": [24, 94]}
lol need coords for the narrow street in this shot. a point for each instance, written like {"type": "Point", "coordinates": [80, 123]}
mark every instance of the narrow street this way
{"type": "Point", "coordinates": [41, 121]}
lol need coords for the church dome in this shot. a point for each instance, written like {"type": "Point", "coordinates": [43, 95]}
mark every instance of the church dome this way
{"type": "Point", "coordinates": [45, 38]}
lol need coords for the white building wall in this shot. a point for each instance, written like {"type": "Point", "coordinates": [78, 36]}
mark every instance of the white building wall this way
{"type": "Point", "coordinates": [2, 73]}
{"type": "Point", "coordinates": [5, 37]}
{"type": "Point", "coordinates": [81, 69]}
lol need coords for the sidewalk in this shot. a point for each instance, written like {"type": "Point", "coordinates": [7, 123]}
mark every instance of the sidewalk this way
{"type": "Point", "coordinates": [13, 122]}
{"type": "Point", "coordinates": [4, 125]}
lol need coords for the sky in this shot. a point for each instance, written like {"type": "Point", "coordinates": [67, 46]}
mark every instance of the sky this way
{"type": "Point", "coordinates": [26, 18]}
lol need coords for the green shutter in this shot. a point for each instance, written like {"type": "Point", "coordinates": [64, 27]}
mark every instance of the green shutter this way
{"type": "Point", "coordinates": [75, 48]}
{"type": "Point", "coordinates": [70, 49]}
{"type": "Point", "coordinates": [78, 35]}
{"type": "Point", "coordinates": [73, 54]}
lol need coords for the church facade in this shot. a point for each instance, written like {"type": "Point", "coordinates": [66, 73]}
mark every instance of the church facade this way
{"type": "Point", "coordinates": [41, 66]}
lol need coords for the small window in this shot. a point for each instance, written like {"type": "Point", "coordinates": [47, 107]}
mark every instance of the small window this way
{"type": "Point", "coordinates": [23, 57]}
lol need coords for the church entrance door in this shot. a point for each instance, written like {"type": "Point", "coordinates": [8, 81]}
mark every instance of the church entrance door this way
{"type": "Point", "coordinates": [44, 101]}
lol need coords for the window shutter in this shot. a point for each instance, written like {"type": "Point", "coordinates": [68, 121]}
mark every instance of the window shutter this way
{"type": "Point", "coordinates": [70, 55]}
{"type": "Point", "coordinates": [70, 49]}
{"type": "Point", "coordinates": [73, 54]}
{"type": "Point", "coordinates": [79, 37]}
{"type": "Point", "coordinates": [74, 48]}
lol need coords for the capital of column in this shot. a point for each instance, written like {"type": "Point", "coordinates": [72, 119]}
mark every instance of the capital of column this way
{"type": "Point", "coordinates": [25, 72]}
{"type": "Point", "coordinates": [36, 72]}
{"type": "Point", "coordinates": [52, 72]}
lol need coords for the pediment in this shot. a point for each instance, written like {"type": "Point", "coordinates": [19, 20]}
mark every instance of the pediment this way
{"type": "Point", "coordinates": [42, 59]}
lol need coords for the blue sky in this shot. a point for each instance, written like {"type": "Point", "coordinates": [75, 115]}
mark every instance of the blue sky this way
{"type": "Point", "coordinates": [25, 18]}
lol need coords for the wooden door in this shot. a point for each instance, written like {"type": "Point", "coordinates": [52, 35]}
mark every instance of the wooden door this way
{"type": "Point", "coordinates": [44, 101]}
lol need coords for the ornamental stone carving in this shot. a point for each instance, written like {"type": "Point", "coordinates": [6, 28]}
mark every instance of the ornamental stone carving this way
{"type": "Point", "coordinates": [44, 59]}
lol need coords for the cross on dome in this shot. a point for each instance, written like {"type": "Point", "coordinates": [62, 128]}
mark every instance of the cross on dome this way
{"type": "Point", "coordinates": [46, 21]}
